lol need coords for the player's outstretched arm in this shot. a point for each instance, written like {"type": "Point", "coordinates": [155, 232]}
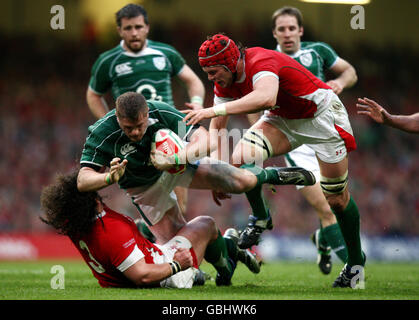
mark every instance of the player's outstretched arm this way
{"type": "Point", "coordinates": [263, 96]}
{"type": "Point", "coordinates": [90, 180]}
{"type": "Point", "coordinates": [408, 123]}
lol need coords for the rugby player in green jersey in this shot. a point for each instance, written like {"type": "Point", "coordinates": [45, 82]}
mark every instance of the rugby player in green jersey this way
{"type": "Point", "coordinates": [287, 29]}
{"type": "Point", "coordinates": [121, 140]}
{"type": "Point", "coordinates": [141, 65]}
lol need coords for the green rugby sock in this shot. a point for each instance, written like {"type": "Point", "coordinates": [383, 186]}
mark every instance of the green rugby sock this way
{"type": "Point", "coordinates": [349, 223]}
{"type": "Point", "coordinates": [324, 247]}
{"type": "Point", "coordinates": [333, 237]}
{"type": "Point", "coordinates": [232, 248]}
{"type": "Point", "coordinates": [217, 254]}
{"type": "Point", "coordinates": [254, 196]}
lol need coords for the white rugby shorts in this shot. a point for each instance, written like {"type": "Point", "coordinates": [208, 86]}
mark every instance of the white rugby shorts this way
{"type": "Point", "coordinates": [329, 133]}
{"type": "Point", "coordinates": [155, 200]}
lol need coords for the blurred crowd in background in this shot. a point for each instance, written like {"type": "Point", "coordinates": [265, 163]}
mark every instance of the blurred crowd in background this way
{"type": "Point", "coordinates": [44, 119]}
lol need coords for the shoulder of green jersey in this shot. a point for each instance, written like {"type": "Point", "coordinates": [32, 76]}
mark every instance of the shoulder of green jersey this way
{"type": "Point", "coordinates": [108, 54]}
{"type": "Point", "coordinates": [108, 57]}
{"type": "Point", "coordinates": [314, 45]}
{"type": "Point", "coordinates": [103, 120]}
{"type": "Point", "coordinates": [117, 133]}
{"type": "Point", "coordinates": [161, 46]}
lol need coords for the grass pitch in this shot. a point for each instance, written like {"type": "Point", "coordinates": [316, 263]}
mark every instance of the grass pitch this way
{"type": "Point", "coordinates": [276, 281]}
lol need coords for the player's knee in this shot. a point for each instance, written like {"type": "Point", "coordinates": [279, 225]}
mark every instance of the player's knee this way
{"type": "Point", "coordinates": [335, 191]}
{"type": "Point", "coordinates": [208, 223]}
{"type": "Point", "coordinates": [241, 184]}
{"type": "Point", "coordinates": [337, 202]}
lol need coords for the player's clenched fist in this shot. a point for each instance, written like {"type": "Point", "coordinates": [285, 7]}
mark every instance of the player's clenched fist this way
{"type": "Point", "coordinates": [117, 170]}
{"type": "Point", "coordinates": [184, 257]}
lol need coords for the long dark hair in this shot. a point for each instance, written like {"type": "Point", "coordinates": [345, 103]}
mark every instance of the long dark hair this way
{"type": "Point", "coordinates": [68, 210]}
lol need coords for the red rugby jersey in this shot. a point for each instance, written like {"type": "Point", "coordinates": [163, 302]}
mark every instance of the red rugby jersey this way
{"type": "Point", "coordinates": [299, 94]}
{"type": "Point", "coordinates": [111, 247]}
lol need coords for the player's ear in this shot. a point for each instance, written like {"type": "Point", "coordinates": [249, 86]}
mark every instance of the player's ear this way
{"type": "Point", "coordinates": [99, 205]}
{"type": "Point", "coordinates": [119, 29]}
{"type": "Point", "coordinates": [301, 32]}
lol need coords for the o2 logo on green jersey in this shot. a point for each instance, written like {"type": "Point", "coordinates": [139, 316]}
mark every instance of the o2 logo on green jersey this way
{"type": "Point", "coordinates": [148, 91]}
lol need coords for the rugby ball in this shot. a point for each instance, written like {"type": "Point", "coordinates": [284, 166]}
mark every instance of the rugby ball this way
{"type": "Point", "coordinates": [167, 141]}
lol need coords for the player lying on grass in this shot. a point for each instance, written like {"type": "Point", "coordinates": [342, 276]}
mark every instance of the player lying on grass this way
{"type": "Point", "coordinates": [119, 256]}
{"type": "Point", "coordinates": [122, 141]}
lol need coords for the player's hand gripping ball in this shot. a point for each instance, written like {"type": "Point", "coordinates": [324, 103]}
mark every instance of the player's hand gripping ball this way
{"type": "Point", "coordinates": [169, 143]}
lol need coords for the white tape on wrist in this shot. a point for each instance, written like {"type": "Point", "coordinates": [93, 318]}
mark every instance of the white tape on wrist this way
{"type": "Point", "coordinates": [220, 109]}
{"type": "Point", "coordinates": [197, 100]}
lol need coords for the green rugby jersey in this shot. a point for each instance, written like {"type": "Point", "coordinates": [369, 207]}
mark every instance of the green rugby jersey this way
{"type": "Point", "coordinates": [106, 140]}
{"type": "Point", "coordinates": [148, 72]}
{"type": "Point", "coordinates": [315, 56]}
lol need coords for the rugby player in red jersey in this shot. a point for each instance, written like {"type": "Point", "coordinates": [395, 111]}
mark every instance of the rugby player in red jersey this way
{"type": "Point", "coordinates": [120, 256]}
{"type": "Point", "coordinates": [298, 109]}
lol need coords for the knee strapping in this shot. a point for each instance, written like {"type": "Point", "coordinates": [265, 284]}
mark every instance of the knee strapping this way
{"type": "Point", "coordinates": [256, 139]}
{"type": "Point", "coordinates": [334, 185]}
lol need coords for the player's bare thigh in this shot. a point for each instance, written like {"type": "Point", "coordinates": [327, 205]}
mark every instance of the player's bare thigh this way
{"type": "Point", "coordinates": [334, 170]}
{"type": "Point", "coordinates": [279, 142]}
{"type": "Point", "coordinates": [182, 198]}
{"type": "Point", "coordinates": [168, 226]}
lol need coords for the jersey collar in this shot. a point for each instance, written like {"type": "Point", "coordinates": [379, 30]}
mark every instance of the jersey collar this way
{"type": "Point", "coordinates": [100, 215]}
{"type": "Point", "coordinates": [293, 55]}
{"type": "Point", "coordinates": [132, 54]}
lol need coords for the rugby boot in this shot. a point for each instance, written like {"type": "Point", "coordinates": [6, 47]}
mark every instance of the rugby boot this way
{"type": "Point", "coordinates": [344, 280]}
{"type": "Point", "coordinates": [245, 256]}
{"type": "Point", "coordinates": [251, 234]}
{"type": "Point", "coordinates": [200, 278]}
{"type": "Point", "coordinates": [324, 258]}
{"type": "Point", "coordinates": [293, 175]}
{"type": "Point", "coordinates": [225, 280]}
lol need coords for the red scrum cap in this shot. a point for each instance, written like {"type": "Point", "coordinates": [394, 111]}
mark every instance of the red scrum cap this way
{"type": "Point", "coordinates": [219, 50]}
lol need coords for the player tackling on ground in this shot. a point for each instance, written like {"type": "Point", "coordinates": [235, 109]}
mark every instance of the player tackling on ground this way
{"type": "Point", "coordinates": [122, 139]}
{"type": "Point", "coordinates": [119, 255]}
